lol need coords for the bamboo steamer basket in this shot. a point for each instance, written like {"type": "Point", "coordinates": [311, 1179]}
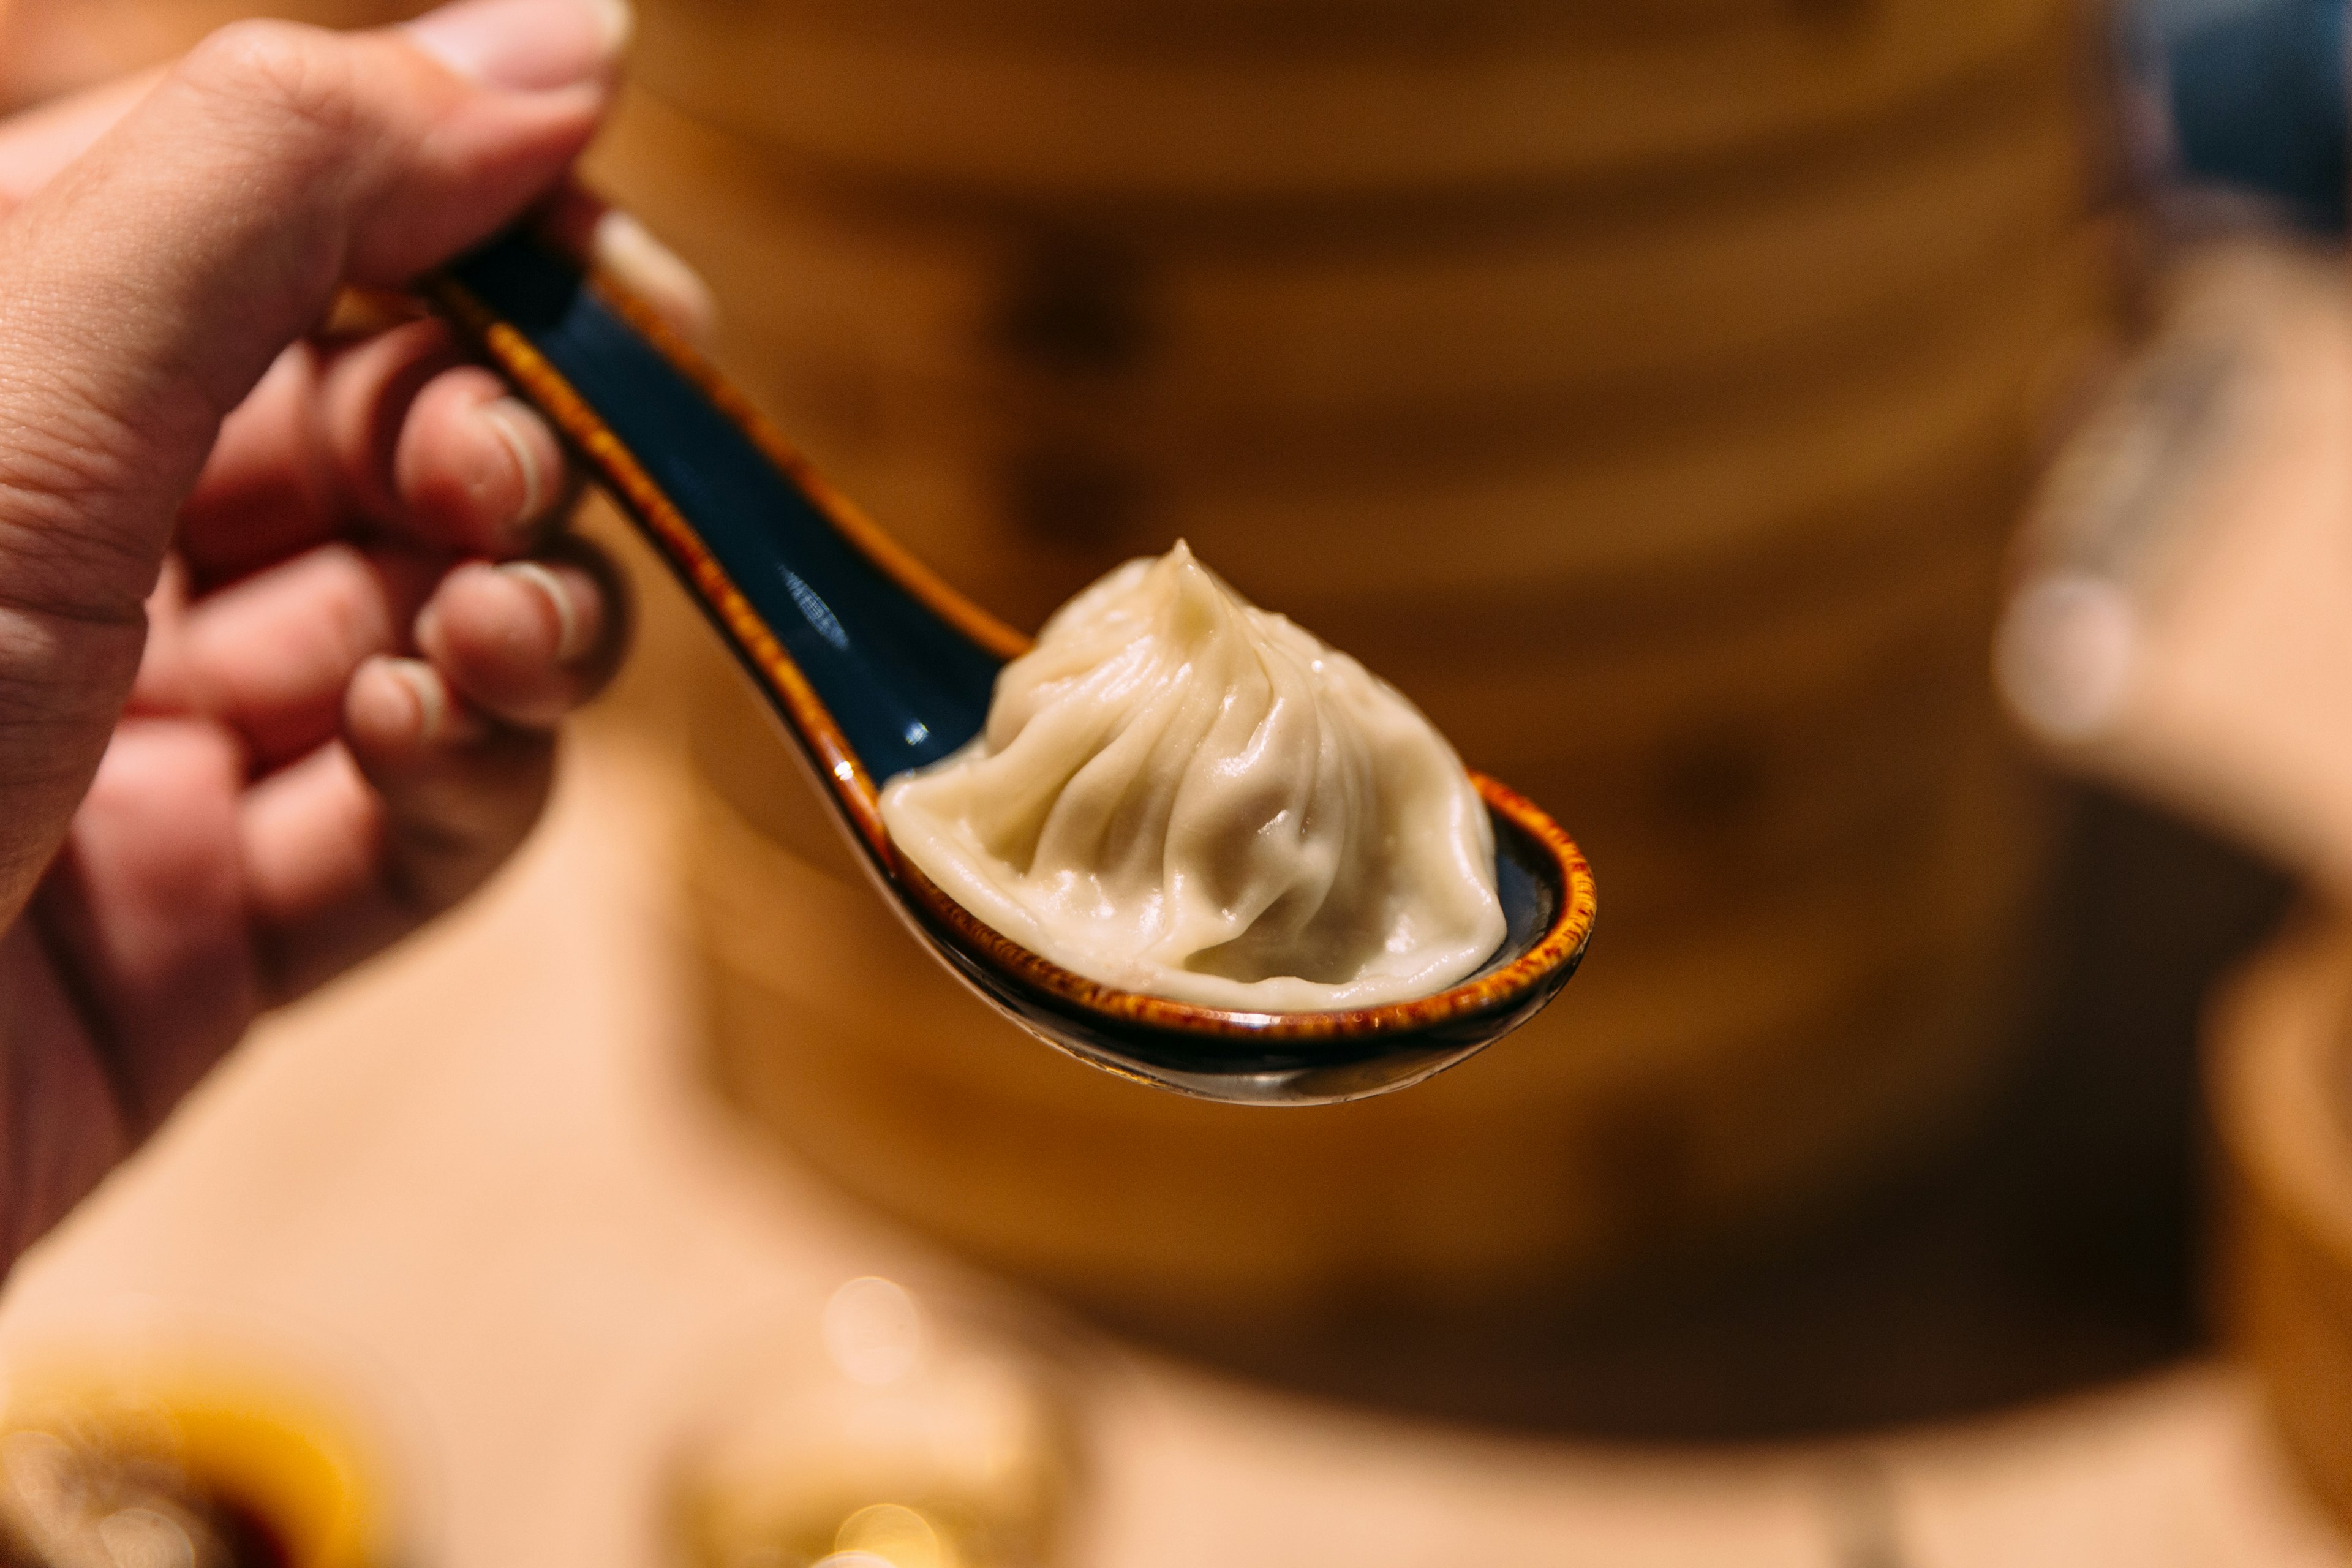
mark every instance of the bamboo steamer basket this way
{"type": "Point", "coordinates": [1269, 314]}
{"type": "Point", "coordinates": [1326, 114]}
{"type": "Point", "coordinates": [1674, 490]}
{"type": "Point", "coordinates": [1766, 1054]}
{"type": "Point", "coordinates": [2279, 1064]}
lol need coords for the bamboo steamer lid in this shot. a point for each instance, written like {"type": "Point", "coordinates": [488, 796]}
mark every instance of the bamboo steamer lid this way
{"type": "Point", "coordinates": [1532, 297]}
{"type": "Point", "coordinates": [2279, 1064]}
{"type": "Point", "coordinates": [1750, 1065]}
{"type": "Point", "coordinates": [1054, 117]}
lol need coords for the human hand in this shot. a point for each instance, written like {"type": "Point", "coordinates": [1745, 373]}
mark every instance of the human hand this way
{"type": "Point", "coordinates": [265, 701]}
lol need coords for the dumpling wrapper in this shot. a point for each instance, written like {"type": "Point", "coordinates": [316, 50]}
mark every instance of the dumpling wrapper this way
{"type": "Point", "coordinates": [1179, 793]}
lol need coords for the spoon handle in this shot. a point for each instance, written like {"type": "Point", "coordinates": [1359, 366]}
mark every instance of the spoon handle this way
{"type": "Point", "coordinates": [873, 663]}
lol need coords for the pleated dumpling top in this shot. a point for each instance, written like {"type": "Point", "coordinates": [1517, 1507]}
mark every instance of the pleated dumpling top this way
{"type": "Point", "coordinates": [1179, 793]}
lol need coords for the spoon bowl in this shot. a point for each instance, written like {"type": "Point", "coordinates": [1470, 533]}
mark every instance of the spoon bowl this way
{"type": "Point", "coordinates": [875, 665]}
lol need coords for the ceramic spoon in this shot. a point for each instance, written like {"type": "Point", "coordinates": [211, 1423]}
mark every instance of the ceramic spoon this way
{"type": "Point", "coordinates": [875, 667]}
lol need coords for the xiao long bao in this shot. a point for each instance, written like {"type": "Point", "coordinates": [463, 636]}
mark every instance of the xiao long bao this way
{"type": "Point", "coordinates": [1179, 793]}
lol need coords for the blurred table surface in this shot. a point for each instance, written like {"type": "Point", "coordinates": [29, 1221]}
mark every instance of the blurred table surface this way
{"type": "Point", "coordinates": [483, 1169]}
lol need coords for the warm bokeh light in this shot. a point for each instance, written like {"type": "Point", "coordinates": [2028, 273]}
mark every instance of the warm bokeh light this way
{"type": "Point", "coordinates": [888, 1430]}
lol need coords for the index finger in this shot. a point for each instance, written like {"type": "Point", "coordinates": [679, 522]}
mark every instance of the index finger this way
{"type": "Point", "coordinates": [386, 434]}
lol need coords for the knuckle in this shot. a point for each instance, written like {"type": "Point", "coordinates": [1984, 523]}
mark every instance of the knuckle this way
{"type": "Point", "coordinates": [253, 55]}
{"type": "Point", "coordinates": [280, 72]}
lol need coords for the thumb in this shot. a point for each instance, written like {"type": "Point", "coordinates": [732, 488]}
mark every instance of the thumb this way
{"type": "Point", "coordinates": [145, 288]}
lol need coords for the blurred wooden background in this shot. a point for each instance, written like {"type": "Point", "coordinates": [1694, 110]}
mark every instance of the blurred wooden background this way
{"type": "Point", "coordinates": [1651, 394]}
{"type": "Point", "coordinates": [1657, 428]}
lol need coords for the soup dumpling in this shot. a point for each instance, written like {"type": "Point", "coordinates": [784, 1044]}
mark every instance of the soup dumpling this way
{"type": "Point", "coordinates": [1179, 793]}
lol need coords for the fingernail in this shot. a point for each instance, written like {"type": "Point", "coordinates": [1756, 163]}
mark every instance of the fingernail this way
{"type": "Point", "coordinates": [427, 631]}
{"type": "Point", "coordinates": [2064, 655]}
{"type": "Point", "coordinates": [655, 273]}
{"type": "Point", "coordinates": [572, 630]}
{"type": "Point", "coordinates": [424, 683]}
{"type": "Point", "coordinates": [526, 45]}
{"type": "Point", "coordinates": [618, 19]}
{"type": "Point", "coordinates": [506, 418]}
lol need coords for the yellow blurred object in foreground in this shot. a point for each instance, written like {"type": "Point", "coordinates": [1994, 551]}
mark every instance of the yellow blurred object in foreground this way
{"type": "Point", "coordinates": [893, 1436]}
{"type": "Point", "coordinates": [245, 1459]}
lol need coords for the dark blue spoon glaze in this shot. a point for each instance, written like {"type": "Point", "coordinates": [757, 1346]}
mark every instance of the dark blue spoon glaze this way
{"type": "Point", "coordinates": [875, 667]}
{"type": "Point", "coordinates": [905, 687]}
